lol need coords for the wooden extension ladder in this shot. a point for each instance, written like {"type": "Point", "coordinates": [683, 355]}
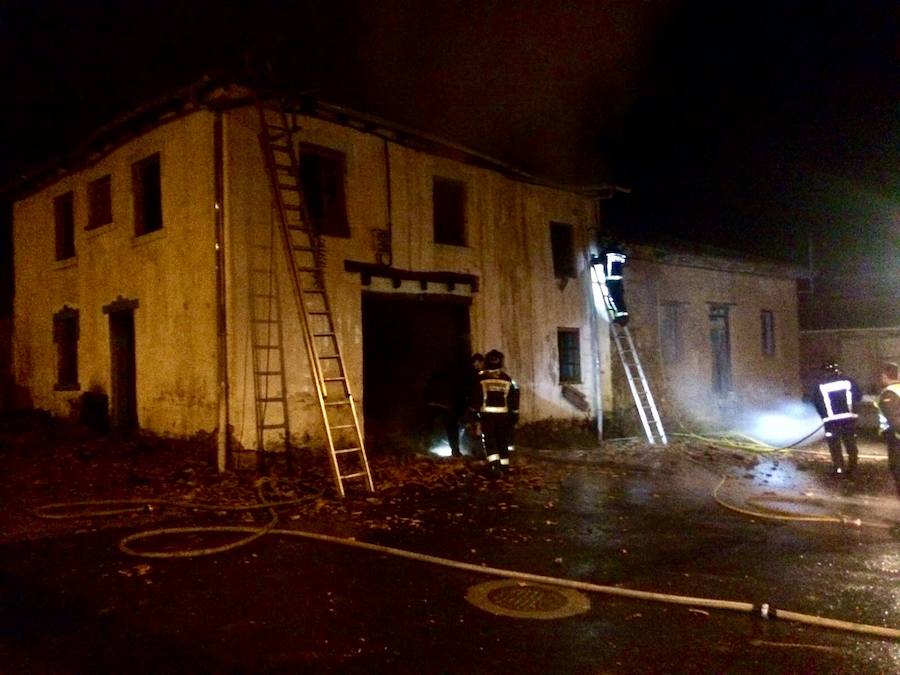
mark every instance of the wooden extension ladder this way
{"type": "Point", "coordinates": [305, 259]}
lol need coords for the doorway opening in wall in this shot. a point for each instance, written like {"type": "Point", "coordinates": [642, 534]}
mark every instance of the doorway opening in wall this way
{"type": "Point", "coordinates": [720, 343]}
{"type": "Point", "coordinates": [123, 374]}
{"type": "Point", "coordinates": [407, 340]}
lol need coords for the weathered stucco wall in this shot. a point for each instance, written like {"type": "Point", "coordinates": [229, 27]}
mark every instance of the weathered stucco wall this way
{"type": "Point", "coordinates": [517, 309]}
{"type": "Point", "coordinates": [170, 273]}
{"type": "Point", "coordinates": [860, 352]}
{"type": "Point", "coordinates": [685, 386]}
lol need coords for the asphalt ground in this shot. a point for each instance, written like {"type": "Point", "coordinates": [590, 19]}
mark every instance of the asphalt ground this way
{"type": "Point", "coordinates": [618, 515]}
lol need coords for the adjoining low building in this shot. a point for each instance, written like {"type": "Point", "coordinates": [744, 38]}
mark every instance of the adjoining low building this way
{"type": "Point", "coordinates": [145, 266]}
{"type": "Point", "coordinates": [718, 333]}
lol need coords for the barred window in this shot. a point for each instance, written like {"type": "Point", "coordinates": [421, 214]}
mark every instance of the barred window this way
{"type": "Point", "coordinates": [569, 346]}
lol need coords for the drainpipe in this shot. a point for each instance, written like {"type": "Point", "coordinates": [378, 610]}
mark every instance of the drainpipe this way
{"type": "Point", "coordinates": [221, 335]}
{"type": "Point", "coordinates": [389, 244]}
{"type": "Point", "coordinates": [594, 237]}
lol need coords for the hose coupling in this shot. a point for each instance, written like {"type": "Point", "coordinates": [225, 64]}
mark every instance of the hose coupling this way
{"type": "Point", "coordinates": [766, 611]}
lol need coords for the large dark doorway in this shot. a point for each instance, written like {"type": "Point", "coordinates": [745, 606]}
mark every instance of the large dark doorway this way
{"type": "Point", "coordinates": [123, 413]}
{"type": "Point", "coordinates": [406, 339]}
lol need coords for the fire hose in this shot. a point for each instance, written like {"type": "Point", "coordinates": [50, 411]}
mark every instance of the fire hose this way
{"type": "Point", "coordinates": [764, 610]}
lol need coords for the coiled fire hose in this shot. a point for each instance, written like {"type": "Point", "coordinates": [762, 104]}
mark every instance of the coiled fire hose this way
{"type": "Point", "coordinates": [765, 610]}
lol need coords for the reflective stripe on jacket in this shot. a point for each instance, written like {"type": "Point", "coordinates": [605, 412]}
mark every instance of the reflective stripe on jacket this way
{"type": "Point", "coordinates": [837, 397]}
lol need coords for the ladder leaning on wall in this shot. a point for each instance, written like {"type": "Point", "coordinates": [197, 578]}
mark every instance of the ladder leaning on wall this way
{"type": "Point", "coordinates": [303, 249]}
{"type": "Point", "coordinates": [634, 371]}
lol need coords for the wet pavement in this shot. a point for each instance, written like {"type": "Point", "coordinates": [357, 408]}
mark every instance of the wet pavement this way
{"type": "Point", "coordinates": [628, 516]}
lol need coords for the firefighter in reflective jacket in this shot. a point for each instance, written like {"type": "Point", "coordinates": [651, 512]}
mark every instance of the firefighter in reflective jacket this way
{"type": "Point", "coordinates": [495, 400]}
{"type": "Point", "coordinates": [611, 262]}
{"type": "Point", "coordinates": [889, 417]}
{"type": "Point", "coordinates": [834, 397]}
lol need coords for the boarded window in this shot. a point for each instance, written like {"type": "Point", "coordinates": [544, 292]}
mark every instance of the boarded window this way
{"type": "Point", "coordinates": [449, 197]}
{"type": "Point", "coordinates": [65, 335]}
{"type": "Point", "coordinates": [767, 330]}
{"type": "Point", "coordinates": [670, 331]}
{"type": "Point", "coordinates": [322, 177]}
{"type": "Point", "coordinates": [99, 197]}
{"type": "Point", "coordinates": [568, 344]}
{"type": "Point", "coordinates": [64, 217]}
{"type": "Point", "coordinates": [146, 184]}
{"type": "Point", "coordinates": [562, 245]}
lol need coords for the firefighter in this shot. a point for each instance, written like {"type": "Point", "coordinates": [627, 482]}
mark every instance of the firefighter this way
{"type": "Point", "coordinates": [889, 417]}
{"type": "Point", "coordinates": [612, 261]}
{"type": "Point", "coordinates": [495, 401]}
{"type": "Point", "coordinates": [834, 395]}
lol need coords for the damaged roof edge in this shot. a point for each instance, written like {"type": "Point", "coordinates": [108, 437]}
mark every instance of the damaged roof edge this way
{"type": "Point", "coordinates": [215, 91]}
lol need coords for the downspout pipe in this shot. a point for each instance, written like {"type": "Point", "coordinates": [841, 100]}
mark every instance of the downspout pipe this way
{"type": "Point", "coordinates": [221, 314]}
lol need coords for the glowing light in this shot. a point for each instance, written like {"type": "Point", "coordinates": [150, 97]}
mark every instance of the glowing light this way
{"type": "Point", "coordinates": [441, 449]}
{"type": "Point", "coordinates": [787, 423]}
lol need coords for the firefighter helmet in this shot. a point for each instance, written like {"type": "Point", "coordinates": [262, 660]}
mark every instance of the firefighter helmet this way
{"type": "Point", "coordinates": [493, 360]}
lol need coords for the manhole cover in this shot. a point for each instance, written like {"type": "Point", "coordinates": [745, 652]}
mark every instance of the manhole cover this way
{"type": "Point", "coordinates": [527, 601]}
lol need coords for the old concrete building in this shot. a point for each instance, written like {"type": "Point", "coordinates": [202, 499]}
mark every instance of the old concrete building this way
{"type": "Point", "coordinates": [138, 270]}
{"type": "Point", "coordinates": [718, 334]}
{"type": "Point", "coordinates": [146, 267]}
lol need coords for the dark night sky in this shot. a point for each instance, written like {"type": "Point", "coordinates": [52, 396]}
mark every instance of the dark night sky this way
{"type": "Point", "coordinates": [739, 124]}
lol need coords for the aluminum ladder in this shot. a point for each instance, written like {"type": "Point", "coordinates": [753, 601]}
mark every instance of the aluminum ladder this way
{"type": "Point", "coordinates": [631, 363]}
{"type": "Point", "coordinates": [640, 388]}
{"type": "Point", "coordinates": [306, 265]}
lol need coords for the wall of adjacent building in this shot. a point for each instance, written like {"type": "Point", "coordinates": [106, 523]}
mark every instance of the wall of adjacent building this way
{"type": "Point", "coordinates": [685, 385]}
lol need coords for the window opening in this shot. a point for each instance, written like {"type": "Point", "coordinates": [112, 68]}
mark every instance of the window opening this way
{"type": "Point", "coordinates": [563, 248]}
{"type": "Point", "coordinates": [64, 216]}
{"type": "Point", "coordinates": [146, 183]}
{"type": "Point", "coordinates": [322, 177]}
{"type": "Point", "coordinates": [670, 332]}
{"type": "Point", "coordinates": [449, 197]}
{"type": "Point", "coordinates": [99, 195]}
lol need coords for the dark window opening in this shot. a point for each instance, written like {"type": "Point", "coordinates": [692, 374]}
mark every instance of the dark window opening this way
{"type": "Point", "coordinates": [562, 245]}
{"type": "Point", "coordinates": [568, 343]}
{"type": "Point", "coordinates": [767, 325]}
{"type": "Point", "coordinates": [322, 177]}
{"type": "Point", "coordinates": [449, 201]}
{"type": "Point", "coordinates": [65, 335]}
{"type": "Point", "coordinates": [64, 216]}
{"type": "Point", "coordinates": [99, 194]}
{"type": "Point", "coordinates": [670, 333]}
{"type": "Point", "coordinates": [146, 183]}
